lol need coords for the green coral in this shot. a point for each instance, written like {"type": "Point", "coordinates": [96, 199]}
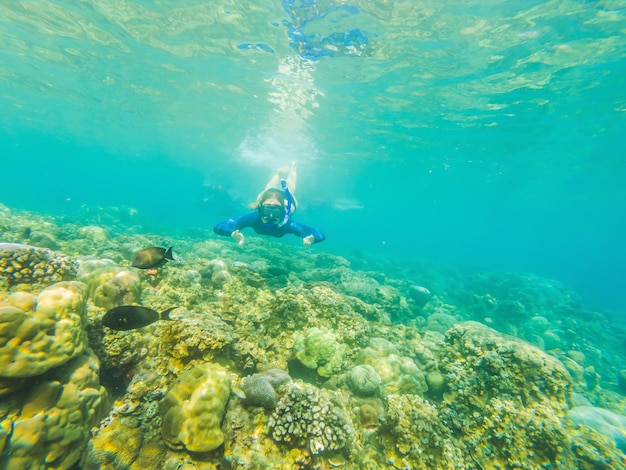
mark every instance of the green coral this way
{"type": "Point", "coordinates": [319, 349]}
{"type": "Point", "coordinates": [398, 374]}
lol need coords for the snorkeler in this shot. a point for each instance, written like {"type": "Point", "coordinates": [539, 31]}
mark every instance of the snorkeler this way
{"type": "Point", "coordinates": [274, 207]}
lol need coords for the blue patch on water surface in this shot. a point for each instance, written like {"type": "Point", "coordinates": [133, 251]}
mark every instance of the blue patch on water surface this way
{"type": "Point", "coordinates": [310, 35]}
{"type": "Point", "coordinates": [247, 46]}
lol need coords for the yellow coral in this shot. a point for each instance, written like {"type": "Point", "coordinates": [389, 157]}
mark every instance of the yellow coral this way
{"type": "Point", "coordinates": [50, 424]}
{"type": "Point", "coordinates": [33, 342]}
{"type": "Point", "coordinates": [110, 286]}
{"type": "Point", "coordinates": [194, 407]}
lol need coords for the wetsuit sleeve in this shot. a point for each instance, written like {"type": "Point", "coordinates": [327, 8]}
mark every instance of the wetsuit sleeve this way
{"type": "Point", "coordinates": [227, 227]}
{"type": "Point", "coordinates": [302, 231]}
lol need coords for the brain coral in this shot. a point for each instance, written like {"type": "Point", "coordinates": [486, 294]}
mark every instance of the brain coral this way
{"type": "Point", "coordinates": [37, 336]}
{"type": "Point", "coordinates": [364, 381]}
{"type": "Point", "coordinates": [193, 409]}
{"type": "Point", "coordinates": [306, 416]}
{"type": "Point", "coordinates": [24, 264]}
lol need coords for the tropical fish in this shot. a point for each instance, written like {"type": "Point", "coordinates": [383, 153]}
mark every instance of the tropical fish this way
{"type": "Point", "coordinates": [152, 257]}
{"type": "Point", "coordinates": [130, 317]}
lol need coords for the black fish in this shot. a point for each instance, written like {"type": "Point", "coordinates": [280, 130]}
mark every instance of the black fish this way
{"type": "Point", "coordinates": [152, 257]}
{"type": "Point", "coordinates": [129, 317]}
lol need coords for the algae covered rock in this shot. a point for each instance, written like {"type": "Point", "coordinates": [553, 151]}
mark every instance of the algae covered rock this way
{"type": "Point", "coordinates": [35, 337]}
{"type": "Point", "coordinates": [124, 442]}
{"type": "Point", "coordinates": [194, 407]}
{"type": "Point", "coordinates": [417, 436]}
{"type": "Point", "coordinates": [482, 363]}
{"type": "Point", "coordinates": [94, 233]}
{"type": "Point", "coordinates": [605, 422]}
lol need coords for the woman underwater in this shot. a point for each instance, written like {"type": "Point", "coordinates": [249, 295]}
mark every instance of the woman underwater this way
{"type": "Point", "coordinates": [274, 208]}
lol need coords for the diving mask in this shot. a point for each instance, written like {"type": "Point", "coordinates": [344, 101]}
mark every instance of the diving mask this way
{"type": "Point", "coordinates": [272, 213]}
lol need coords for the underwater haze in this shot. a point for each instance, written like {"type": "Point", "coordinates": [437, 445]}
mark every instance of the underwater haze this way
{"type": "Point", "coordinates": [475, 133]}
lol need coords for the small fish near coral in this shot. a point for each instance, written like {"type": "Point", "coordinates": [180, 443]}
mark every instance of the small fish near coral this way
{"type": "Point", "coordinates": [152, 257]}
{"type": "Point", "coordinates": [131, 317]}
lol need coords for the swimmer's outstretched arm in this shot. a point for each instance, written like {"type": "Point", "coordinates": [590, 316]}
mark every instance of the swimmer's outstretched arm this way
{"type": "Point", "coordinates": [308, 234]}
{"type": "Point", "coordinates": [232, 227]}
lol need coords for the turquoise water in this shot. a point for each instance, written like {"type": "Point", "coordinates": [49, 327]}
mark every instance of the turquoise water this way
{"type": "Point", "coordinates": [483, 133]}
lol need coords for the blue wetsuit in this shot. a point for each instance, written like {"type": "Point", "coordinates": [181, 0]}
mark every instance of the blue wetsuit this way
{"type": "Point", "coordinates": [253, 219]}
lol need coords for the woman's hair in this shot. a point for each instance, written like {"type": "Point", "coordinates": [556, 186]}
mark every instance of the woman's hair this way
{"type": "Point", "coordinates": [272, 193]}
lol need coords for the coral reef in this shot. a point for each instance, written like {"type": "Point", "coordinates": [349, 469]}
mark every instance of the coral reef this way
{"type": "Point", "coordinates": [605, 422]}
{"type": "Point", "coordinates": [193, 409]}
{"type": "Point", "coordinates": [517, 397]}
{"type": "Point", "coordinates": [192, 337]}
{"type": "Point", "coordinates": [416, 437]}
{"type": "Point", "coordinates": [481, 364]}
{"type": "Point", "coordinates": [338, 363]}
{"type": "Point", "coordinates": [94, 233]}
{"type": "Point", "coordinates": [217, 272]}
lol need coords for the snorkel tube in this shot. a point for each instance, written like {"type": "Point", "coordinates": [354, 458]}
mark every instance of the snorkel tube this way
{"type": "Point", "coordinates": [283, 183]}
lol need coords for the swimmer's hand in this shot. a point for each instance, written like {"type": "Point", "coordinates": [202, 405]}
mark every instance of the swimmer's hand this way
{"type": "Point", "coordinates": [308, 240]}
{"type": "Point", "coordinates": [238, 236]}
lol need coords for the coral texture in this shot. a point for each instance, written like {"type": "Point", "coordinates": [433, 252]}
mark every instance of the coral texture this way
{"type": "Point", "coordinates": [24, 264]}
{"type": "Point", "coordinates": [364, 381]}
{"type": "Point", "coordinates": [194, 407]}
{"type": "Point", "coordinates": [318, 348]}
{"type": "Point", "coordinates": [306, 416]}
{"type": "Point", "coordinates": [260, 389]}
{"type": "Point", "coordinates": [35, 337]}
{"type": "Point", "coordinates": [48, 427]}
